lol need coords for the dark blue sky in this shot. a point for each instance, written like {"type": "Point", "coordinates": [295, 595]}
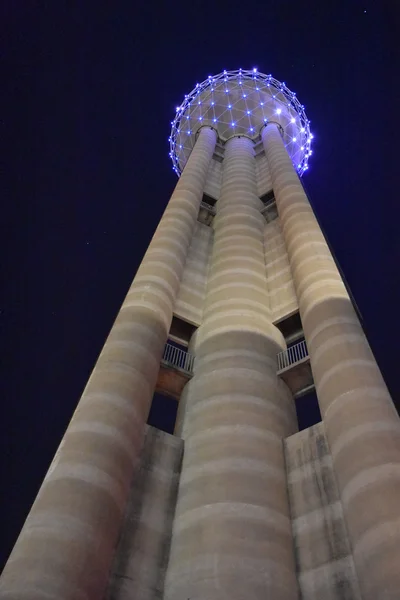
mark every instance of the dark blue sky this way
{"type": "Point", "coordinates": [90, 90]}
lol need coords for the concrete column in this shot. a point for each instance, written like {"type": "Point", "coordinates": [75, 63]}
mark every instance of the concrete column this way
{"type": "Point", "coordinates": [65, 548]}
{"type": "Point", "coordinates": [361, 423]}
{"type": "Point", "coordinates": [232, 532]}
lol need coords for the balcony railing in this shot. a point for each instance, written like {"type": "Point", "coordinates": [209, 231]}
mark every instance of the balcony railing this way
{"type": "Point", "coordinates": [211, 209]}
{"type": "Point", "coordinates": [178, 358]}
{"type": "Point", "coordinates": [292, 355]}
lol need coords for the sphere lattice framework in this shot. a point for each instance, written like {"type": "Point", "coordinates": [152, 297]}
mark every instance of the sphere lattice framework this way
{"type": "Point", "coordinates": [240, 103]}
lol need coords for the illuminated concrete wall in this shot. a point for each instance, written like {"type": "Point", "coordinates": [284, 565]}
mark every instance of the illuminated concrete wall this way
{"type": "Point", "coordinates": [66, 545]}
{"type": "Point", "coordinates": [263, 176]}
{"type": "Point", "coordinates": [324, 561]}
{"type": "Point", "coordinates": [214, 179]}
{"type": "Point", "coordinates": [190, 300]}
{"type": "Point", "coordinates": [281, 293]}
{"type": "Point", "coordinates": [361, 423]}
{"type": "Point", "coordinates": [232, 531]}
{"type": "Point", "coordinates": [141, 556]}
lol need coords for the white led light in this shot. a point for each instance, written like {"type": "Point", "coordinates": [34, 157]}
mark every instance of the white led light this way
{"type": "Point", "coordinates": [293, 120]}
{"type": "Point", "coordinates": [233, 124]}
{"type": "Point", "coordinates": [278, 111]}
{"type": "Point", "coordinates": [294, 139]}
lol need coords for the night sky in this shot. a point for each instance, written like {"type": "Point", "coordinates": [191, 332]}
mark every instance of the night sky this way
{"type": "Point", "coordinates": [90, 90]}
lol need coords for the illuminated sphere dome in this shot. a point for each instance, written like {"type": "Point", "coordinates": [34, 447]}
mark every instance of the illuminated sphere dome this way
{"type": "Point", "coordinates": [240, 103]}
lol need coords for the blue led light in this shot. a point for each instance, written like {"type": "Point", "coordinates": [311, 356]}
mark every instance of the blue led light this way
{"type": "Point", "coordinates": [229, 82]}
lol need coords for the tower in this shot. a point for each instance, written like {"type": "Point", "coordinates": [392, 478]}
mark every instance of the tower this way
{"type": "Point", "coordinates": [236, 504]}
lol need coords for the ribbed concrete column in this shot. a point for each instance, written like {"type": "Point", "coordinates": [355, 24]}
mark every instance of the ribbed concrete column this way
{"type": "Point", "coordinates": [232, 531]}
{"type": "Point", "coordinates": [65, 548]}
{"type": "Point", "coordinates": [361, 423]}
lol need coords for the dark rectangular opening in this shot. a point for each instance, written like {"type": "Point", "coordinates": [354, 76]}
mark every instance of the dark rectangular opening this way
{"type": "Point", "coordinates": [291, 328]}
{"type": "Point", "coordinates": [181, 331]}
{"type": "Point", "coordinates": [268, 198]}
{"type": "Point", "coordinates": [208, 200]}
{"type": "Point", "coordinates": [163, 413]}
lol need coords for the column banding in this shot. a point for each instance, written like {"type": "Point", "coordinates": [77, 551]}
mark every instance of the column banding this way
{"type": "Point", "coordinates": [361, 422]}
{"type": "Point", "coordinates": [232, 531]}
{"type": "Point", "coordinates": [65, 548]}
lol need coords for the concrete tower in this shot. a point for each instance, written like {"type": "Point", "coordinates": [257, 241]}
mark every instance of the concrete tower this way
{"type": "Point", "coordinates": [236, 504]}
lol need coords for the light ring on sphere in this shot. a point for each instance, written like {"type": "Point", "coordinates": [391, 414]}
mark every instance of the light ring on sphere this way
{"type": "Point", "coordinates": [241, 102]}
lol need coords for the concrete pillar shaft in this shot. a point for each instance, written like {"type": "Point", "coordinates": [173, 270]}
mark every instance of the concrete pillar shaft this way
{"type": "Point", "coordinates": [65, 548]}
{"type": "Point", "coordinates": [232, 532]}
{"type": "Point", "coordinates": [361, 423]}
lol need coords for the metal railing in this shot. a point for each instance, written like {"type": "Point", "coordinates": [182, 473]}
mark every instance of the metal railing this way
{"type": "Point", "coordinates": [211, 209]}
{"type": "Point", "coordinates": [292, 355]}
{"type": "Point", "coordinates": [176, 357]}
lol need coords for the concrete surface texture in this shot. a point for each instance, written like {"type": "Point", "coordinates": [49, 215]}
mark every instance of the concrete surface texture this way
{"type": "Point", "coordinates": [361, 423]}
{"type": "Point", "coordinates": [324, 560]}
{"type": "Point", "coordinates": [65, 548]}
{"type": "Point", "coordinates": [281, 292]}
{"type": "Point", "coordinates": [232, 532]}
{"type": "Point", "coordinates": [142, 551]}
{"type": "Point", "coordinates": [190, 300]}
